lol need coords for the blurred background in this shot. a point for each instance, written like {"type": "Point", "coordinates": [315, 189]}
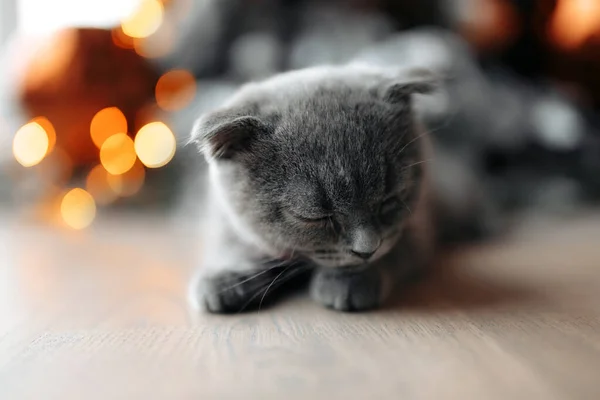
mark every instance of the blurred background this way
{"type": "Point", "coordinates": [97, 96]}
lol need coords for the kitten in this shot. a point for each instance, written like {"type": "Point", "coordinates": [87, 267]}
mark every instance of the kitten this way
{"type": "Point", "coordinates": [322, 169]}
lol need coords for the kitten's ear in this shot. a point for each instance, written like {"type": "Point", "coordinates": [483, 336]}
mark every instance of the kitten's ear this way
{"type": "Point", "coordinates": [401, 89]}
{"type": "Point", "coordinates": [223, 135]}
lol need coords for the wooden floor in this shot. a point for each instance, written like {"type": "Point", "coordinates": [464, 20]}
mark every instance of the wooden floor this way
{"type": "Point", "coordinates": [103, 315]}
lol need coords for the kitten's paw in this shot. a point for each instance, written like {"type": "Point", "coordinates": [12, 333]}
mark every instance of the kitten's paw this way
{"type": "Point", "coordinates": [237, 291]}
{"type": "Point", "coordinates": [348, 289]}
{"type": "Point", "coordinates": [227, 292]}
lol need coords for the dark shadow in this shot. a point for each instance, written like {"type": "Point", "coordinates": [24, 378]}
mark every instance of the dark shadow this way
{"type": "Point", "coordinates": [451, 285]}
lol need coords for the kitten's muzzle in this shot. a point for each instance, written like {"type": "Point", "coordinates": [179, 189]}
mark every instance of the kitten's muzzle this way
{"type": "Point", "coordinates": [365, 242]}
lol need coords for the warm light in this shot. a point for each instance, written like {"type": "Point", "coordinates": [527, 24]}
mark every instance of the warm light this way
{"type": "Point", "coordinates": [175, 90]}
{"type": "Point", "coordinates": [117, 154]}
{"type": "Point", "coordinates": [97, 184]}
{"type": "Point", "coordinates": [145, 20]}
{"type": "Point", "coordinates": [120, 39]}
{"type": "Point", "coordinates": [106, 123]}
{"type": "Point", "coordinates": [78, 209]}
{"type": "Point", "coordinates": [159, 44]}
{"type": "Point", "coordinates": [155, 144]}
{"type": "Point", "coordinates": [30, 144]}
{"type": "Point", "coordinates": [129, 183]}
{"type": "Point", "coordinates": [488, 24]}
{"type": "Point", "coordinates": [50, 131]}
{"type": "Point", "coordinates": [575, 21]}
{"type": "Point", "coordinates": [51, 57]}
{"type": "Point", "coordinates": [40, 17]}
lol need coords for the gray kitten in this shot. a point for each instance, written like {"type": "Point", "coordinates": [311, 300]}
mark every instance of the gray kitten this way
{"type": "Point", "coordinates": [321, 169]}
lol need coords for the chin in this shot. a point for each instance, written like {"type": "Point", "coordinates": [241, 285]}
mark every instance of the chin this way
{"type": "Point", "coordinates": [343, 262]}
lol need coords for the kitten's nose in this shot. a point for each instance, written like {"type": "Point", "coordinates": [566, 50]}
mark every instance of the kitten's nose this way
{"type": "Point", "coordinates": [365, 242]}
{"type": "Point", "coordinates": [364, 256]}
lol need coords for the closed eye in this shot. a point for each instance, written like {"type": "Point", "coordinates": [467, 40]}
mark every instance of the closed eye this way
{"type": "Point", "coordinates": [311, 219]}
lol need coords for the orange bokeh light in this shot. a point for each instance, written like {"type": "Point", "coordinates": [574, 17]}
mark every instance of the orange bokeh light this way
{"type": "Point", "coordinates": [106, 123]}
{"type": "Point", "coordinates": [120, 39]}
{"type": "Point", "coordinates": [97, 184]}
{"type": "Point", "coordinates": [117, 154]}
{"type": "Point", "coordinates": [175, 90]}
{"type": "Point", "coordinates": [129, 183]}
{"type": "Point", "coordinates": [30, 144]}
{"type": "Point", "coordinates": [50, 131]}
{"type": "Point", "coordinates": [155, 145]}
{"type": "Point", "coordinates": [145, 20]}
{"type": "Point", "coordinates": [491, 24]}
{"type": "Point", "coordinates": [574, 22]}
{"type": "Point", "coordinates": [78, 209]}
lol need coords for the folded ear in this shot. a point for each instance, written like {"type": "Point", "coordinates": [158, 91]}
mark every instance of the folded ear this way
{"type": "Point", "coordinates": [400, 89]}
{"type": "Point", "coordinates": [223, 134]}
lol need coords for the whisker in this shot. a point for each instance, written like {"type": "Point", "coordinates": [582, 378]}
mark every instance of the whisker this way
{"type": "Point", "coordinates": [293, 252]}
{"type": "Point", "coordinates": [412, 141]}
{"type": "Point", "coordinates": [416, 163]}
{"type": "Point", "coordinates": [280, 264]}
{"type": "Point", "coordinates": [294, 272]}
{"type": "Point", "coordinates": [406, 205]}
{"type": "Point", "coordinates": [269, 287]}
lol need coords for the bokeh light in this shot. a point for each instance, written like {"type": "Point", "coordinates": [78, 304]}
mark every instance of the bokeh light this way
{"type": "Point", "coordinates": [145, 20]}
{"type": "Point", "coordinates": [129, 183]}
{"type": "Point", "coordinates": [175, 90]}
{"type": "Point", "coordinates": [106, 123]}
{"type": "Point", "coordinates": [97, 184]}
{"type": "Point", "coordinates": [575, 21]}
{"type": "Point", "coordinates": [50, 131]}
{"type": "Point", "coordinates": [117, 154]}
{"type": "Point", "coordinates": [78, 208]}
{"type": "Point", "coordinates": [30, 144]}
{"type": "Point", "coordinates": [120, 39]}
{"type": "Point", "coordinates": [489, 24]}
{"type": "Point", "coordinates": [155, 145]}
{"type": "Point", "coordinates": [157, 45]}
{"type": "Point", "coordinates": [51, 57]}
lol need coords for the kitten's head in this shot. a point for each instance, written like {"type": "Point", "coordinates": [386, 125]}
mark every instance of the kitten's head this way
{"type": "Point", "coordinates": [321, 162]}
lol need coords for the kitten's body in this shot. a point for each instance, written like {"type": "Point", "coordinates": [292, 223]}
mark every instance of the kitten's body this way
{"type": "Point", "coordinates": [324, 168]}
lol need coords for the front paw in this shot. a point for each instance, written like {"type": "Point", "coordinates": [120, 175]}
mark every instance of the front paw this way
{"type": "Point", "coordinates": [230, 291]}
{"type": "Point", "coordinates": [348, 289]}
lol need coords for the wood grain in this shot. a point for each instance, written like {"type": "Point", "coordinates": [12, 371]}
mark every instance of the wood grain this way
{"type": "Point", "coordinates": [102, 315]}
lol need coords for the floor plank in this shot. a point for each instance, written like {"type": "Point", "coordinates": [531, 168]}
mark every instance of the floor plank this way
{"type": "Point", "coordinates": [103, 315]}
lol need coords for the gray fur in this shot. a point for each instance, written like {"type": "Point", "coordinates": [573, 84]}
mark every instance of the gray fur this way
{"type": "Point", "coordinates": [320, 168]}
